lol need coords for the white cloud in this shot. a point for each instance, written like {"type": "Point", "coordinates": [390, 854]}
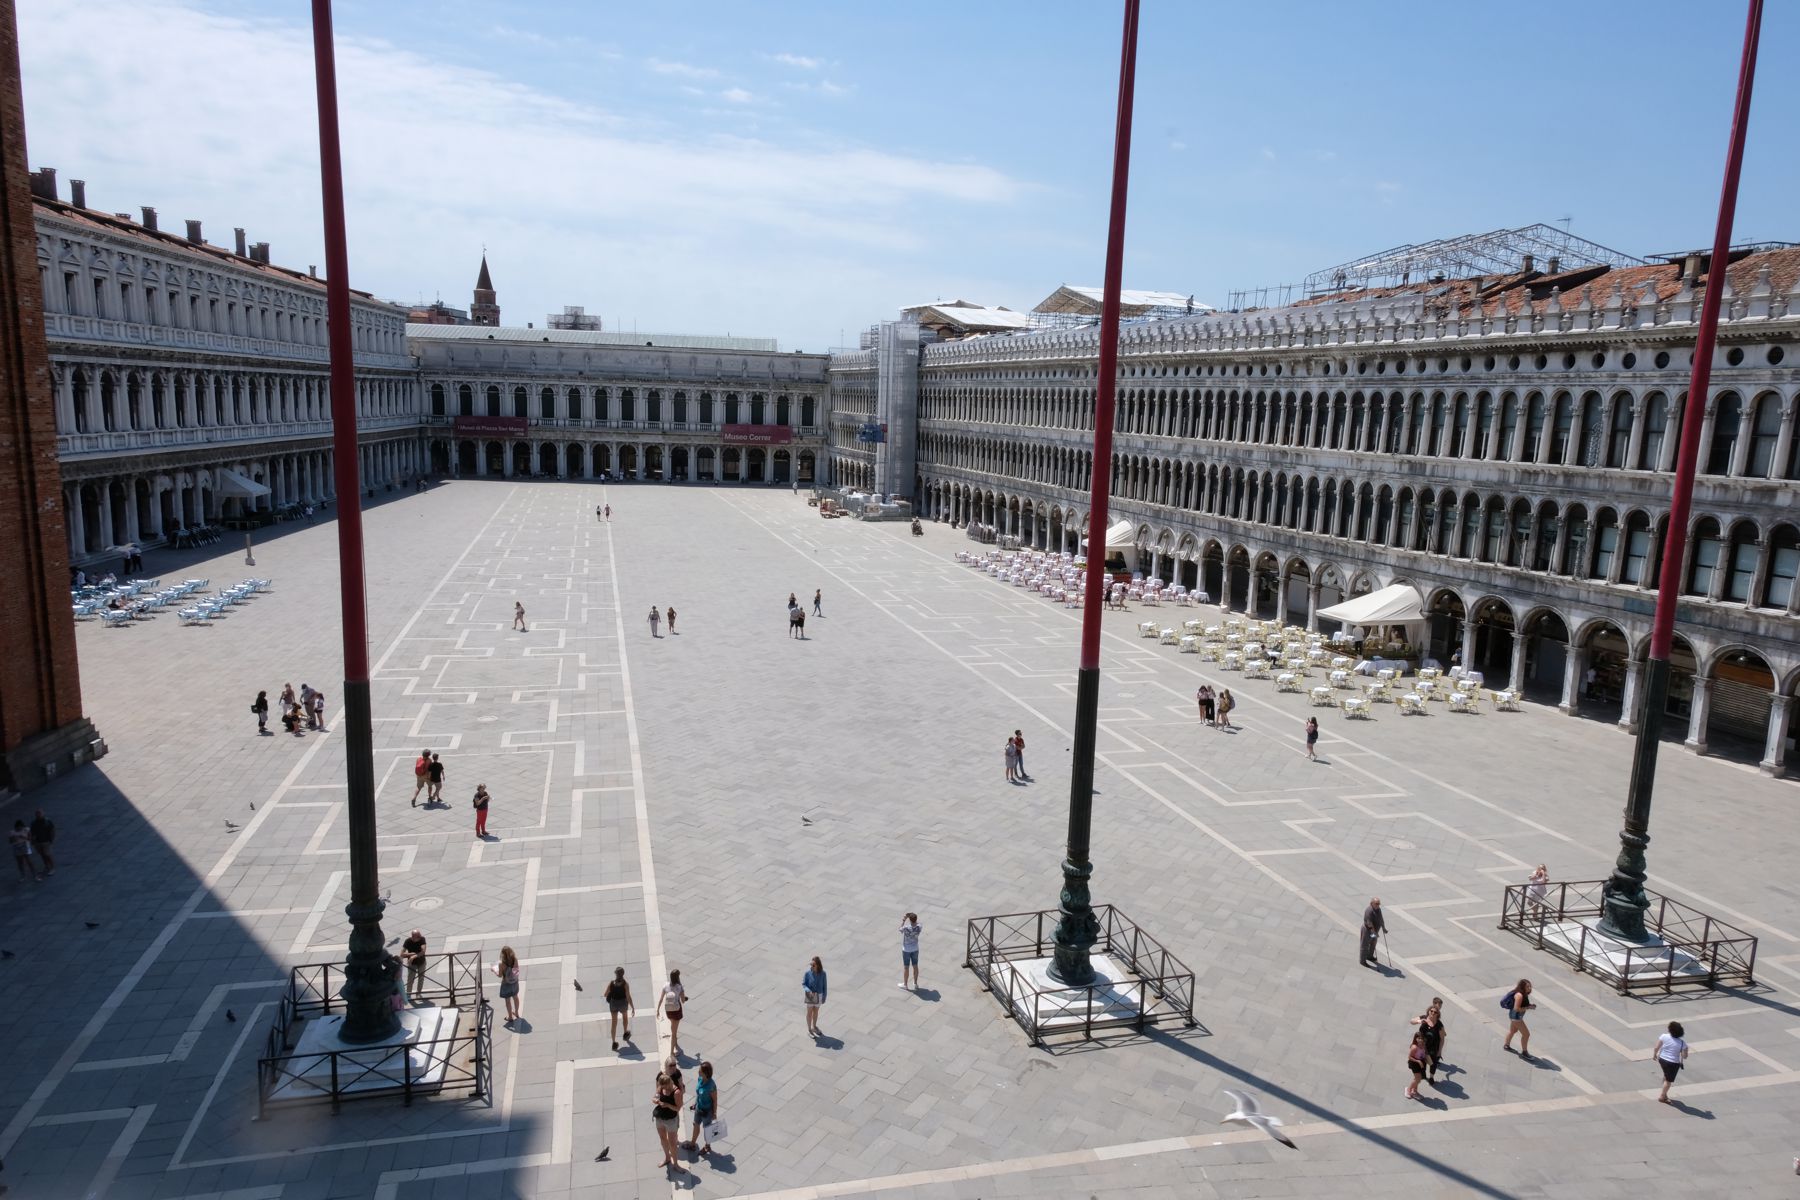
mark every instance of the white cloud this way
{"type": "Point", "coordinates": [681, 69]}
{"type": "Point", "coordinates": [624, 211]}
{"type": "Point", "coordinates": [800, 61]}
{"type": "Point", "coordinates": [736, 95]}
{"type": "Point", "coordinates": [1268, 154]}
{"type": "Point", "coordinates": [1178, 146]}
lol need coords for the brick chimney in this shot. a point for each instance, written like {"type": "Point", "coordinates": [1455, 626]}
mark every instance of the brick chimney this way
{"type": "Point", "coordinates": [149, 217]}
{"type": "Point", "coordinates": [260, 252]}
{"type": "Point", "coordinates": [242, 246]}
{"type": "Point", "coordinates": [193, 234]}
{"type": "Point", "coordinates": [43, 183]}
{"type": "Point", "coordinates": [78, 192]}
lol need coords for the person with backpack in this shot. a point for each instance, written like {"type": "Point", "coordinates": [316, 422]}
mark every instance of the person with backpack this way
{"type": "Point", "coordinates": [260, 706]}
{"type": "Point", "coordinates": [1517, 1003]}
{"type": "Point", "coordinates": [421, 775]}
{"type": "Point", "coordinates": [618, 1003]}
{"type": "Point", "coordinates": [1227, 702]}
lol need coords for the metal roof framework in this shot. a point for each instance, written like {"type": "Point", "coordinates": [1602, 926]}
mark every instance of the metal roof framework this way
{"type": "Point", "coordinates": [1497, 252]}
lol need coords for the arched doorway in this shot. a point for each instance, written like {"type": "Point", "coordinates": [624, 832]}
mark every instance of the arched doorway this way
{"type": "Point", "coordinates": [1492, 652]}
{"type": "Point", "coordinates": [1605, 658]}
{"type": "Point", "coordinates": [495, 455]}
{"type": "Point", "coordinates": [547, 459]}
{"type": "Point", "coordinates": [1298, 579]}
{"type": "Point", "coordinates": [574, 460]}
{"type": "Point", "coordinates": [1544, 641]}
{"type": "Point", "coordinates": [628, 461]}
{"type": "Point", "coordinates": [706, 466]}
{"type": "Point", "coordinates": [440, 457]}
{"type": "Point", "coordinates": [783, 466]}
{"type": "Point", "coordinates": [653, 462]}
{"type": "Point", "coordinates": [756, 465]}
{"type": "Point", "coordinates": [732, 471]}
{"type": "Point", "coordinates": [809, 465]}
{"type": "Point", "coordinates": [678, 464]}
{"type": "Point", "coordinates": [521, 458]}
{"type": "Point", "coordinates": [1237, 580]}
{"type": "Point", "coordinates": [1445, 615]}
{"type": "Point", "coordinates": [1735, 717]}
{"type": "Point", "coordinates": [603, 459]}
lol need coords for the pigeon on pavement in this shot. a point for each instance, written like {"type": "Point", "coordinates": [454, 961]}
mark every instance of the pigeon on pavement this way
{"type": "Point", "coordinates": [1249, 1112]}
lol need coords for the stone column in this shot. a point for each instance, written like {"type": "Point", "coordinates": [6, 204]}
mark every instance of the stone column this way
{"type": "Point", "coordinates": [131, 513]}
{"type": "Point", "coordinates": [77, 524]}
{"type": "Point", "coordinates": [1574, 668]}
{"type": "Point", "coordinates": [1774, 759]}
{"type": "Point", "coordinates": [1281, 596]}
{"type": "Point", "coordinates": [1699, 710]}
{"type": "Point", "coordinates": [1629, 701]}
{"type": "Point", "coordinates": [1312, 606]}
{"type": "Point", "coordinates": [1784, 441]}
{"type": "Point", "coordinates": [1706, 435]}
{"type": "Point", "coordinates": [1515, 676]}
{"type": "Point", "coordinates": [1468, 643]}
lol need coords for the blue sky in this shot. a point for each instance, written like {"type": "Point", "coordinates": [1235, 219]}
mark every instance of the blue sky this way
{"type": "Point", "coordinates": [801, 170]}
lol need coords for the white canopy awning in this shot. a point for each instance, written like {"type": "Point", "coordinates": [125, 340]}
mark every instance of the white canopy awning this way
{"type": "Point", "coordinates": [236, 483]}
{"type": "Point", "coordinates": [1120, 535]}
{"type": "Point", "coordinates": [1394, 604]}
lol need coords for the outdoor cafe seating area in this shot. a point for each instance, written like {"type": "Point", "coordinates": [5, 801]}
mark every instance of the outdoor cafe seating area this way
{"type": "Point", "coordinates": [121, 602]}
{"type": "Point", "coordinates": [1339, 670]}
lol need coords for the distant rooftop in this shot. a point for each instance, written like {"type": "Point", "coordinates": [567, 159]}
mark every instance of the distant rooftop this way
{"type": "Point", "coordinates": [513, 334]}
{"type": "Point", "coordinates": [964, 317]}
{"type": "Point", "coordinates": [1086, 302]}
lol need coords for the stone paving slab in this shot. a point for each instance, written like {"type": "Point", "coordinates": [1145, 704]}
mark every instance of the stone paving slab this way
{"type": "Point", "coordinates": [730, 801]}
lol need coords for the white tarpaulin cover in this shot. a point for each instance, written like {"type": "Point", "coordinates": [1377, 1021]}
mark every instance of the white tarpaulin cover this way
{"type": "Point", "coordinates": [236, 483]}
{"type": "Point", "coordinates": [1394, 604]}
{"type": "Point", "coordinates": [1120, 535]}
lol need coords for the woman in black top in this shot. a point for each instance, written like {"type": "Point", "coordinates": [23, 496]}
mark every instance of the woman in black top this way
{"type": "Point", "coordinates": [665, 1114]}
{"type": "Point", "coordinates": [1431, 1026]}
{"type": "Point", "coordinates": [618, 1003]}
{"type": "Point", "coordinates": [261, 709]}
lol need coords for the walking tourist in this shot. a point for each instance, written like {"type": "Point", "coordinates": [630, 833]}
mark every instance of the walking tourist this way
{"type": "Point", "coordinates": [510, 973]}
{"type": "Point", "coordinates": [706, 1110]}
{"type": "Point", "coordinates": [608, 510]}
{"type": "Point", "coordinates": [909, 949]}
{"type": "Point", "coordinates": [1517, 1003]}
{"type": "Point", "coordinates": [306, 705]}
{"type": "Point", "coordinates": [655, 619]}
{"type": "Point", "coordinates": [1019, 745]}
{"type": "Point", "coordinates": [619, 1005]}
{"type": "Point", "coordinates": [318, 710]}
{"type": "Point", "coordinates": [1312, 738]}
{"type": "Point", "coordinates": [1373, 926]}
{"type": "Point", "coordinates": [20, 841]}
{"type": "Point", "coordinates": [43, 835]}
{"type": "Point", "coordinates": [596, 512]}
{"type": "Point", "coordinates": [818, 602]}
{"type": "Point", "coordinates": [434, 775]}
{"type": "Point", "coordinates": [421, 776]}
{"type": "Point", "coordinates": [672, 1003]}
{"type": "Point", "coordinates": [1670, 1052]}
{"type": "Point", "coordinates": [260, 706]}
{"type": "Point", "coordinates": [1431, 1028]}
{"type": "Point", "coordinates": [1208, 704]}
{"type": "Point", "coordinates": [812, 985]}
{"type": "Point", "coordinates": [412, 953]}
{"type": "Point", "coordinates": [1226, 703]}
{"type": "Point", "coordinates": [1012, 762]}
{"type": "Point", "coordinates": [1416, 1058]}
{"type": "Point", "coordinates": [665, 1115]}
{"type": "Point", "coordinates": [797, 622]}
{"type": "Point", "coordinates": [519, 616]}
{"type": "Point", "coordinates": [671, 618]}
{"type": "Point", "coordinates": [1536, 886]}
{"type": "Point", "coordinates": [481, 810]}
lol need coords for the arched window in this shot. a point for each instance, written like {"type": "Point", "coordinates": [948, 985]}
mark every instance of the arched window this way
{"type": "Point", "coordinates": [1703, 566]}
{"type": "Point", "coordinates": [1784, 565]}
{"type": "Point", "coordinates": [1656, 427]}
{"type": "Point", "coordinates": [1740, 562]}
{"type": "Point", "coordinates": [493, 400]}
{"type": "Point", "coordinates": [1637, 549]}
{"type": "Point", "coordinates": [547, 404]}
{"type": "Point", "coordinates": [1459, 437]}
{"type": "Point", "coordinates": [1765, 431]}
{"type": "Point", "coordinates": [1494, 547]}
{"type": "Point", "coordinates": [1484, 427]}
{"type": "Point", "coordinates": [1606, 543]}
{"type": "Point", "coordinates": [1440, 411]}
{"type": "Point", "coordinates": [1593, 430]}
{"type": "Point", "coordinates": [519, 409]}
{"type": "Point", "coordinates": [1544, 543]}
{"type": "Point", "coordinates": [1509, 426]}
{"type": "Point", "coordinates": [1728, 412]}
{"type": "Point", "coordinates": [627, 404]}
{"type": "Point", "coordinates": [1561, 427]}
{"type": "Point", "coordinates": [1619, 442]}
{"type": "Point", "coordinates": [465, 400]}
{"type": "Point", "coordinates": [576, 410]}
{"type": "Point", "coordinates": [1534, 430]}
{"type": "Point", "coordinates": [437, 399]}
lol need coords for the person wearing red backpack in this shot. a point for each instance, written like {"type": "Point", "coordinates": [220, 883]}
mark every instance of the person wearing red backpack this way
{"type": "Point", "coordinates": [421, 769]}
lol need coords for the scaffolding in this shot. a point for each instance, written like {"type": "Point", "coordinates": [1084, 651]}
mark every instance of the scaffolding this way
{"type": "Point", "coordinates": [1542, 248]}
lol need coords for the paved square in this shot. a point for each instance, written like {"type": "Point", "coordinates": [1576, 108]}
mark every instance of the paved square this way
{"type": "Point", "coordinates": [731, 801]}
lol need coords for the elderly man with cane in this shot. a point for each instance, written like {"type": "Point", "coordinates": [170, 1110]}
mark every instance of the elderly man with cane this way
{"type": "Point", "coordinates": [1373, 927]}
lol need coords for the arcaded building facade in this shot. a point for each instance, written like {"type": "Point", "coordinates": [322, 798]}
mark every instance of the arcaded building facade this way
{"type": "Point", "coordinates": [190, 380]}
{"type": "Point", "coordinates": [1504, 444]}
{"type": "Point", "coordinates": [572, 404]}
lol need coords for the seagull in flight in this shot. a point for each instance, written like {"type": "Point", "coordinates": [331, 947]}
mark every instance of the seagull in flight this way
{"type": "Point", "coordinates": [1249, 1112]}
